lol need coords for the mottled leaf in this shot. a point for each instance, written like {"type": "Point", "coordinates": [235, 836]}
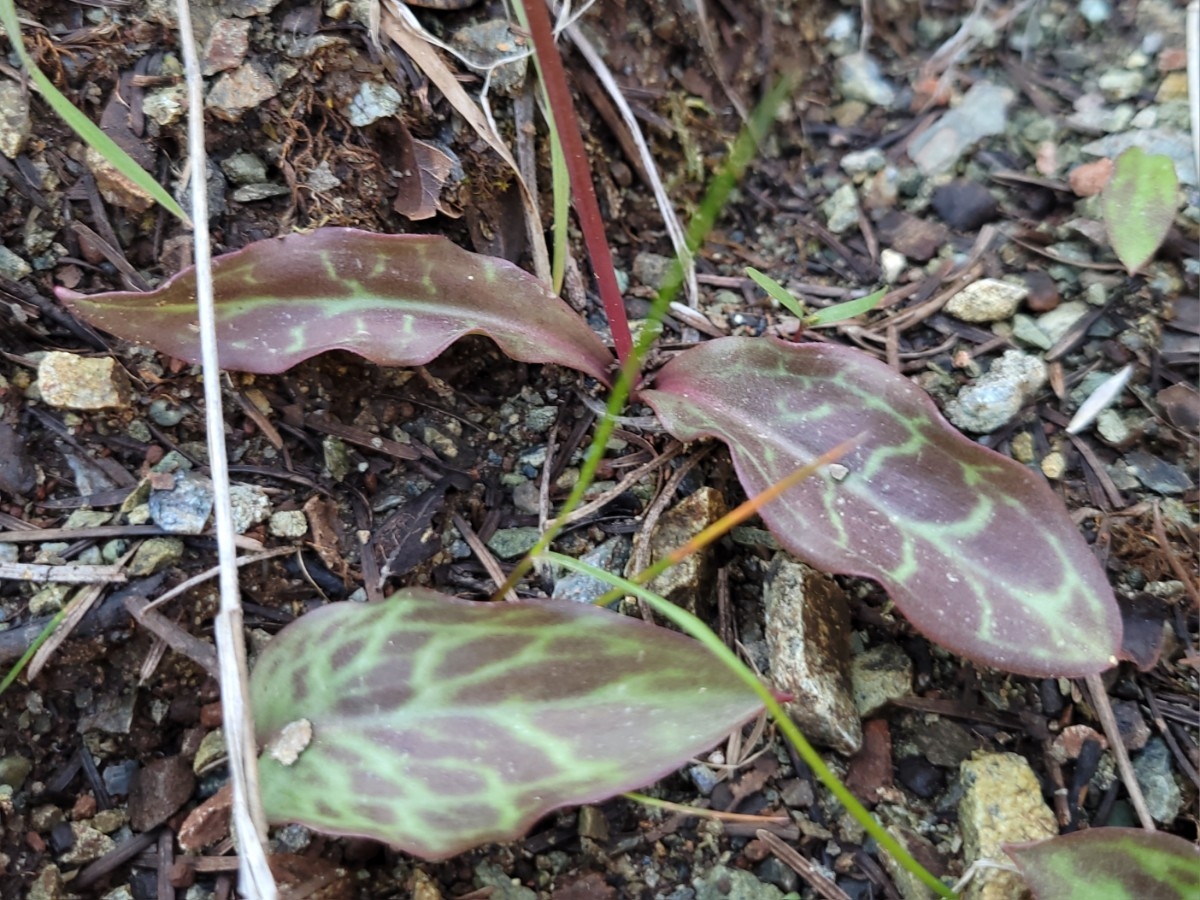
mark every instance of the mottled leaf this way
{"type": "Point", "coordinates": [398, 300]}
{"type": "Point", "coordinates": [439, 724]}
{"type": "Point", "coordinates": [1110, 864]}
{"type": "Point", "coordinates": [1139, 205]}
{"type": "Point", "coordinates": [975, 549]}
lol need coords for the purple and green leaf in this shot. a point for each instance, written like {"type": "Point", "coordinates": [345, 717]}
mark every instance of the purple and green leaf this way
{"type": "Point", "coordinates": [398, 300]}
{"type": "Point", "coordinates": [440, 724]}
{"type": "Point", "coordinates": [1110, 864]}
{"type": "Point", "coordinates": [974, 549]}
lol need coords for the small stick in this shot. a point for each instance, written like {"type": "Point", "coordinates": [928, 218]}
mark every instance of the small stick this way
{"type": "Point", "coordinates": [1104, 710]}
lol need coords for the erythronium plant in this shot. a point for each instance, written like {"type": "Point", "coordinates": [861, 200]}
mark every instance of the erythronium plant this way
{"type": "Point", "coordinates": [972, 547]}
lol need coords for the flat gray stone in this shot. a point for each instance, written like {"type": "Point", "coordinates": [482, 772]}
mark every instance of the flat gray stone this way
{"type": "Point", "coordinates": [185, 508]}
{"type": "Point", "coordinates": [1153, 768]}
{"type": "Point", "coordinates": [982, 113]}
{"type": "Point", "coordinates": [997, 397]}
{"type": "Point", "coordinates": [611, 556]}
{"type": "Point", "coordinates": [808, 641]}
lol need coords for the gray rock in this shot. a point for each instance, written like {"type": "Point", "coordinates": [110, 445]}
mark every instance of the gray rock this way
{"type": "Point", "coordinates": [1001, 804]}
{"type": "Point", "coordinates": [244, 168]}
{"type": "Point", "coordinates": [1096, 12]}
{"type": "Point", "coordinates": [987, 300]}
{"type": "Point", "coordinates": [18, 473]}
{"type": "Point", "coordinates": [689, 584]}
{"type": "Point", "coordinates": [983, 112]}
{"type": "Point", "coordinates": [509, 543]}
{"type": "Point", "coordinates": [1025, 329]}
{"type": "Point", "coordinates": [878, 676]}
{"type": "Point", "coordinates": [859, 78]}
{"type": "Point", "coordinates": [704, 778]}
{"type": "Point", "coordinates": [13, 266]}
{"type": "Point", "coordinates": [1167, 141]}
{"type": "Point", "coordinates": [251, 192]}
{"type": "Point", "coordinates": [1061, 319]}
{"type": "Point", "coordinates": [651, 269]}
{"type": "Point", "coordinates": [1157, 474]}
{"type": "Point", "coordinates": [486, 44]}
{"type": "Point", "coordinates": [67, 381]}
{"type": "Point", "coordinates": [1153, 768]}
{"type": "Point", "coordinates": [111, 714]}
{"type": "Point", "coordinates": [1112, 427]}
{"type": "Point", "coordinates": [250, 506]}
{"type": "Point", "coordinates": [1121, 84]}
{"type": "Point", "coordinates": [185, 508]}
{"type": "Point", "coordinates": [239, 90]}
{"type": "Point", "coordinates": [289, 523]}
{"type": "Point", "coordinates": [49, 600]}
{"type": "Point", "coordinates": [611, 556]}
{"type": "Point", "coordinates": [165, 105]}
{"type": "Point", "coordinates": [808, 639]}
{"type": "Point", "coordinates": [165, 413]}
{"type": "Point", "coordinates": [841, 209]}
{"type": "Point", "coordinates": [997, 397]}
{"type": "Point", "coordinates": [867, 161]}
{"type": "Point", "coordinates": [502, 885]}
{"type": "Point", "coordinates": [14, 118]}
{"type": "Point", "coordinates": [373, 101]}
{"type": "Point", "coordinates": [724, 883]}
{"type": "Point", "coordinates": [154, 555]}
{"type": "Point", "coordinates": [88, 844]}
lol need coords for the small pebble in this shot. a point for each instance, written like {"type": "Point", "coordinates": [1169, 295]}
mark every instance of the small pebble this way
{"type": "Point", "coordinates": [1054, 465]}
{"type": "Point", "coordinates": [965, 205]}
{"type": "Point", "coordinates": [987, 300]}
{"type": "Point", "coordinates": [1043, 291]}
{"type": "Point", "coordinates": [920, 776]}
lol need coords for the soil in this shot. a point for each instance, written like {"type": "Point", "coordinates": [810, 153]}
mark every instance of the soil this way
{"type": "Point", "coordinates": [112, 700]}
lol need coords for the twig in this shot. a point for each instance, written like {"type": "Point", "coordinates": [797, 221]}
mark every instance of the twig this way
{"type": "Point", "coordinates": [249, 819]}
{"type": "Point", "coordinates": [805, 869]}
{"type": "Point", "coordinates": [1104, 710]}
{"type": "Point", "coordinates": [70, 573]}
{"type": "Point", "coordinates": [198, 651]}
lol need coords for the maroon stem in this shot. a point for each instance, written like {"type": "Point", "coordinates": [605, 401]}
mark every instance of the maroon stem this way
{"type": "Point", "coordinates": [584, 194]}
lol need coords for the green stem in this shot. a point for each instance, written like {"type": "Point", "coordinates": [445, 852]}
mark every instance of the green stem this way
{"type": "Point", "coordinates": [705, 635]}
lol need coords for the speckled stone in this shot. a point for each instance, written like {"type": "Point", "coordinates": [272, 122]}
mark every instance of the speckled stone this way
{"type": "Point", "coordinates": [68, 381]}
{"type": "Point", "coordinates": [997, 397]}
{"type": "Point", "coordinates": [690, 583]}
{"type": "Point", "coordinates": [808, 638]}
{"type": "Point", "coordinates": [987, 300]}
{"type": "Point", "coordinates": [724, 883]}
{"type": "Point", "coordinates": [880, 675]}
{"type": "Point", "coordinates": [1001, 804]}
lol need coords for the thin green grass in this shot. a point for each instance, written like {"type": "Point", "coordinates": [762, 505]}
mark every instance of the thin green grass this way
{"type": "Point", "coordinates": [705, 635]}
